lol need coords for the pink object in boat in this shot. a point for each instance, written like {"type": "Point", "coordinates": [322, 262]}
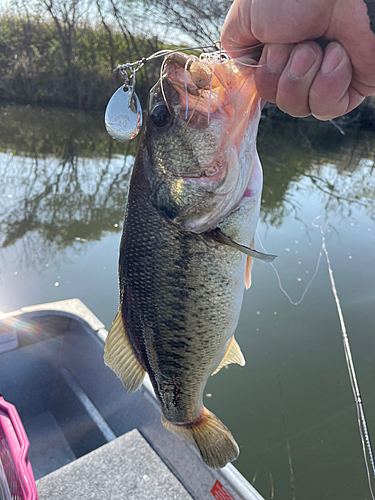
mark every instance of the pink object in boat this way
{"type": "Point", "coordinates": [16, 475]}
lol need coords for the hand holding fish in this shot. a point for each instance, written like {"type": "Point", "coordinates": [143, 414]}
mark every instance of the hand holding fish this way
{"type": "Point", "coordinates": [295, 72]}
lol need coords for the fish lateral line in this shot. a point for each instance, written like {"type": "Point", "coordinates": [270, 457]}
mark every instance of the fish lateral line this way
{"type": "Point", "coordinates": [221, 237]}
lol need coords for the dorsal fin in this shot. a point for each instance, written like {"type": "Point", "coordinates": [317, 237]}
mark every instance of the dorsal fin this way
{"type": "Point", "coordinates": [233, 354]}
{"type": "Point", "coordinates": [119, 356]}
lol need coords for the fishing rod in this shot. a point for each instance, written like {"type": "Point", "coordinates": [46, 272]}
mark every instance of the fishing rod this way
{"type": "Point", "coordinates": [362, 423]}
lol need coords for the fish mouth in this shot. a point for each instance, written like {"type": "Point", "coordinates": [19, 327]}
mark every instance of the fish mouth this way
{"type": "Point", "coordinates": [213, 91]}
{"type": "Point", "coordinates": [212, 173]}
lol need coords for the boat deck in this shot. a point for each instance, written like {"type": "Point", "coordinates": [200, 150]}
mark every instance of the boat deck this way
{"type": "Point", "coordinates": [124, 468]}
{"type": "Point", "coordinates": [88, 437]}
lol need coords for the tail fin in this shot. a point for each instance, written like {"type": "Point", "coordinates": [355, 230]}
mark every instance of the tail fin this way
{"type": "Point", "coordinates": [212, 439]}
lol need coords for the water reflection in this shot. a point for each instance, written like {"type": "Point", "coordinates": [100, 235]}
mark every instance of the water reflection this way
{"type": "Point", "coordinates": [303, 155]}
{"type": "Point", "coordinates": [63, 181]}
{"type": "Point", "coordinates": [64, 201]}
{"type": "Point", "coordinates": [64, 134]}
{"type": "Point", "coordinates": [63, 178]}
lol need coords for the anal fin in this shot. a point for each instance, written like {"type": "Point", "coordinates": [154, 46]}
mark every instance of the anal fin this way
{"type": "Point", "coordinates": [119, 356]}
{"type": "Point", "coordinates": [233, 354]}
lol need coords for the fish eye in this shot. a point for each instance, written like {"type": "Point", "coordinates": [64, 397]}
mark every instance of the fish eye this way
{"type": "Point", "coordinates": [160, 115]}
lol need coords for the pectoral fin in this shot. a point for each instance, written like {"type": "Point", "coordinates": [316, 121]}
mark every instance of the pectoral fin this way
{"type": "Point", "coordinates": [119, 356]}
{"type": "Point", "coordinates": [249, 268]}
{"type": "Point", "coordinates": [233, 354]}
{"type": "Point", "coordinates": [223, 238]}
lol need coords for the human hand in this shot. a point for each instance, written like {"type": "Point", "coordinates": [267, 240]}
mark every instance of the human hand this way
{"type": "Point", "coordinates": [294, 71]}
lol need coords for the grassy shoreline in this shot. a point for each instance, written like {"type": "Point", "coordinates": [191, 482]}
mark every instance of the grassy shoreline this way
{"type": "Point", "coordinates": [40, 65]}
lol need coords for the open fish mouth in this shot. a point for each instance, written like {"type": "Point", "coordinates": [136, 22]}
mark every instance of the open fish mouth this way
{"type": "Point", "coordinates": [214, 90]}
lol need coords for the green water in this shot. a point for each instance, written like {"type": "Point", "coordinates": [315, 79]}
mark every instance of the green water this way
{"type": "Point", "coordinates": [63, 186]}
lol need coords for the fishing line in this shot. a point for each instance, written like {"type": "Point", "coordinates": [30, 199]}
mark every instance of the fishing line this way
{"type": "Point", "coordinates": [161, 53]}
{"type": "Point", "coordinates": [186, 89]}
{"type": "Point", "coordinates": [192, 113]}
{"type": "Point", "coordinates": [209, 95]}
{"type": "Point", "coordinates": [362, 424]}
{"type": "Point", "coordinates": [279, 279]}
{"type": "Point", "coordinates": [238, 61]}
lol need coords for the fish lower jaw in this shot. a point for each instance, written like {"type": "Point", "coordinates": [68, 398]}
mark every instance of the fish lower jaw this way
{"type": "Point", "coordinates": [225, 205]}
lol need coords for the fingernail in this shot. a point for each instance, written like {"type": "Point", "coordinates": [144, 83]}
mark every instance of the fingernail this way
{"type": "Point", "coordinates": [332, 58]}
{"type": "Point", "coordinates": [275, 58]}
{"type": "Point", "coordinates": [303, 59]}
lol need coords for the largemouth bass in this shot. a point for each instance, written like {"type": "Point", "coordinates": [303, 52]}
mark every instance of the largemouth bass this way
{"type": "Point", "coordinates": [191, 214]}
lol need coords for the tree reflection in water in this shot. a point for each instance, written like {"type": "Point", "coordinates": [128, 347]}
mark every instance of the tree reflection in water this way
{"type": "Point", "coordinates": [306, 155]}
{"type": "Point", "coordinates": [64, 180]}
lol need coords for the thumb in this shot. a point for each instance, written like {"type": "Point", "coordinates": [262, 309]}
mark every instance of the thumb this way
{"type": "Point", "coordinates": [236, 35]}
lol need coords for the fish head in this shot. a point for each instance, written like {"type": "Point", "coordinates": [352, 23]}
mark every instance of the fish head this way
{"type": "Point", "coordinates": [199, 137]}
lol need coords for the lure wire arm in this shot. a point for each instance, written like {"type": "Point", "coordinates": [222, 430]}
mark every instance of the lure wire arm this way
{"type": "Point", "coordinates": [127, 72]}
{"type": "Point", "coordinates": [133, 67]}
